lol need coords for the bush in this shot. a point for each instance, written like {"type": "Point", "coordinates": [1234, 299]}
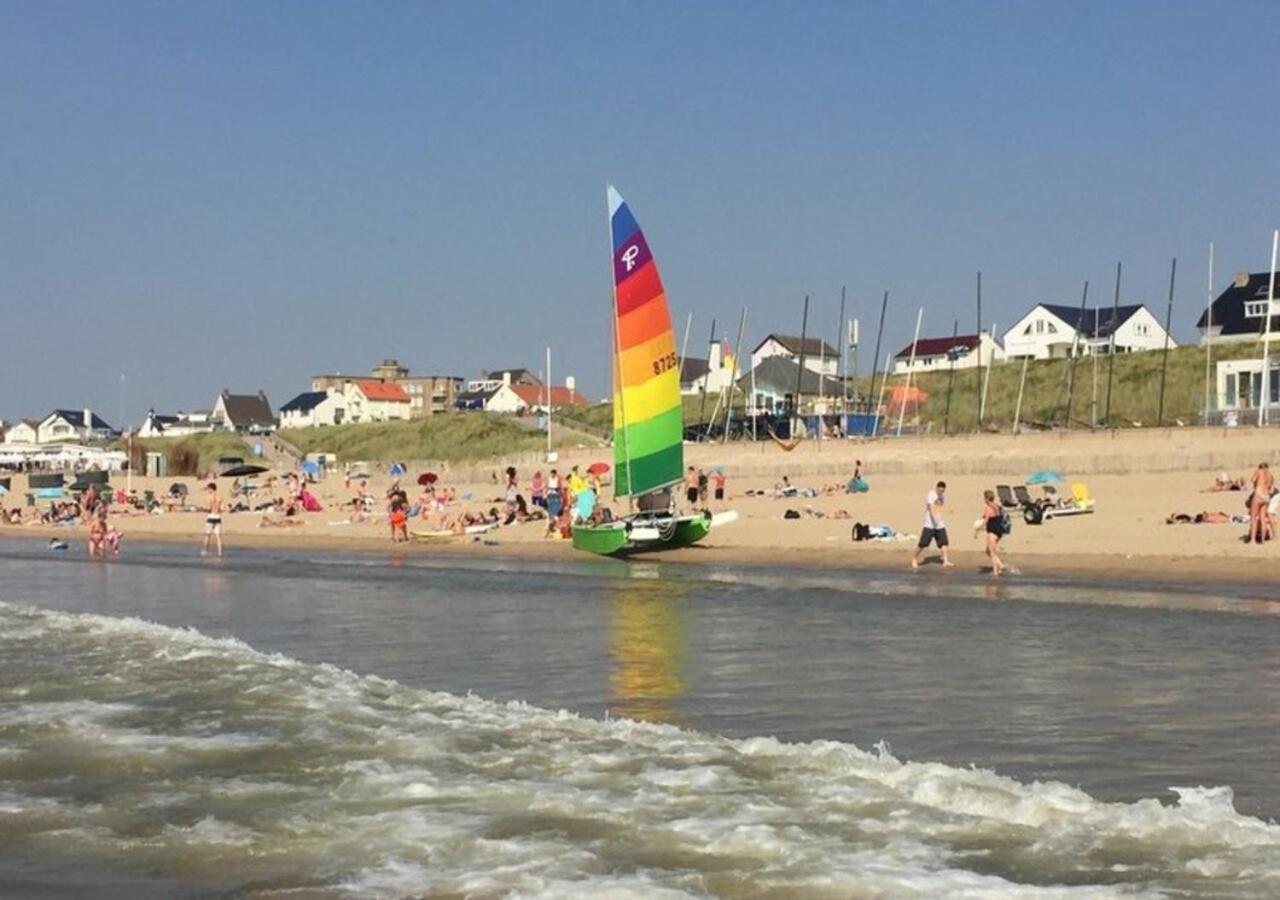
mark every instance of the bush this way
{"type": "Point", "coordinates": [184, 459]}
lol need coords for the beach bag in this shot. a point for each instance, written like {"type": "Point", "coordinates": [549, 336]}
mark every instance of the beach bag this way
{"type": "Point", "coordinates": [791, 514]}
{"type": "Point", "coordinates": [1006, 522]}
{"type": "Point", "coordinates": [861, 532]}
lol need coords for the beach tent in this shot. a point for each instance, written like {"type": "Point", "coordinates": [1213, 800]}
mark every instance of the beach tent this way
{"type": "Point", "coordinates": [397, 469]}
{"type": "Point", "coordinates": [311, 468]}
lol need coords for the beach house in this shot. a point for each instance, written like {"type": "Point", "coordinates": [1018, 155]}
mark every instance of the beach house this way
{"type": "Point", "coordinates": [314, 409]}
{"type": "Point", "coordinates": [24, 431]}
{"type": "Point", "coordinates": [770, 386]}
{"type": "Point", "coordinates": [177, 424]}
{"type": "Point", "coordinates": [518, 399]}
{"type": "Point", "coordinates": [376, 401]}
{"type": "Point", "coordinates": [1053, 331]}
{"type": "Point", "coordinates": [819, 356]}
{"type": "Point", "coordinates": [1240, 312]}
{"type": "Point", "coordinates": [73, 425]}
{"type": "Point", "coordinates": [243, 412]}
{"type": "Point", "coordinates": [493, 379]}
{"type": "Point", "coordinates": [711, 375]}
{"type": "Point", "coordinates": [965, 351]}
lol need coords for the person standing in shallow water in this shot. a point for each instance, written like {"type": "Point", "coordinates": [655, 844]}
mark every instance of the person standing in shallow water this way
{"type": "Point", "coordinates": [992, 526]}
{"type": "Point", "coordinates": [212, 520]}
{"type": "Point", "coordinates": [934, 529]}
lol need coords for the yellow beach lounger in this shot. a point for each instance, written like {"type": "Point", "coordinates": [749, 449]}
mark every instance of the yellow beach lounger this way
{"type": "Point", "coordinates": [1081, 503]}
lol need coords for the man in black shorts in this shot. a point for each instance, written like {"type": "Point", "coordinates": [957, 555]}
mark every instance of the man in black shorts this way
{"type": "Point", "coordinates": [935, 527]}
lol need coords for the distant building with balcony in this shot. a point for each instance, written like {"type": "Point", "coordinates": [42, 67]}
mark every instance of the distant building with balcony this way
{"type": "Point", "coordinates": [428, 394]}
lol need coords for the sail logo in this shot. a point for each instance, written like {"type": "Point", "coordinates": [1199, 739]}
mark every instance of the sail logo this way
{"type": "Point", "coordinates": [629, 256]}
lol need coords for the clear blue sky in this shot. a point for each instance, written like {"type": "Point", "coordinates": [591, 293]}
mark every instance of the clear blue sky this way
{"type": "Point", "coordinates": [208, 195]}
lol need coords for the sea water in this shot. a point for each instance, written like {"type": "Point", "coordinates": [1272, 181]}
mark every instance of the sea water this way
{"type": "Point", "coordinates": [287, 725]}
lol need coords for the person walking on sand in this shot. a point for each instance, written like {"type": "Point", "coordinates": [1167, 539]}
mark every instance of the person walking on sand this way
{"type": "Point", "coordinates": [935, 528]}
{"type": "Point", "coordinates": [992, 523]}
{"type": "Point", "coordinates": [212, 520]}
{"type": "Point", "coordinates": [691, 486]}
{"type": "Point", "coordinates": [1264, 485]}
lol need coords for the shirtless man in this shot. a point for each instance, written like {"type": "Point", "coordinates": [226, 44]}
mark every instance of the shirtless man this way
{"type": "Point", "coordinates": [213, 520]}
{"type": "Point", "coordinates": [1264, 485]}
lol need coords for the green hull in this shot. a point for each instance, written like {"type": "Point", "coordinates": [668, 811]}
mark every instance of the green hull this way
{"type": "Point", "coordinates": [616, 538]}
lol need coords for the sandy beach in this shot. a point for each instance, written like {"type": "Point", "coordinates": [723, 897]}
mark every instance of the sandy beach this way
{"type": "Point", "coordinates": [1137, 479]}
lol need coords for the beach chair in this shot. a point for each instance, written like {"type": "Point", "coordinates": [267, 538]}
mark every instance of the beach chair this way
{"type": "Point", "coordinates": [1023, 496]}
{"type": "Point", "coordinates": [1005, 493]}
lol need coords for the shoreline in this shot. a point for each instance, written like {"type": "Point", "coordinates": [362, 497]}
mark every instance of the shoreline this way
{"type": "Point", "coordinates": [1192, 572]}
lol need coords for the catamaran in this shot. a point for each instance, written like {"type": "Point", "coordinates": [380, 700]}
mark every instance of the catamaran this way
{"type": "Point", "coordinates": [648, 414]}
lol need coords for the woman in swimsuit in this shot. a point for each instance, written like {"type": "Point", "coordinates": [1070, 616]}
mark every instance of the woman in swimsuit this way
{"type": "Point", "coordinates": [1264, 485]}
{"type": "Point", "coordinates": [993, 525]}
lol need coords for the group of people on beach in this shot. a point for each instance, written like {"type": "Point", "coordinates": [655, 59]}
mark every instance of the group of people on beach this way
{"type": "Point", "coordinates": [994, 523]}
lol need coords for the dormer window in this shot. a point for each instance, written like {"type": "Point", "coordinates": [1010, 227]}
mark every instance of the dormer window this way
{"type": "Point", "coordinates": [1255, 309]}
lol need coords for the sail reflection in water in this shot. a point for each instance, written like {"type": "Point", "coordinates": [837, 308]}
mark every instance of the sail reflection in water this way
{"type": "Point", "coordinates": [647, 649]}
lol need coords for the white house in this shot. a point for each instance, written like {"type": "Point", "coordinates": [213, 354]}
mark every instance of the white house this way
{"type": "Point", "coordinates": [64, 425]}
{"type": "Point", "coordinates": [711, 375]}
{"type": "Point", "coordinates": [376, 401]}
{"type": "Point", "coordinates": [243, 412]}
{"type": "Point", "coordinates": [935, 354]}
{"type": "Point", "coordinates": [177, 424]}
{"type": "Point", "coordinates": [819, 356]}
{"type": "Point", "coordinates": [1240, 385]}
{"type": "Point", "coordinates": [1050, 331]}
{"type": "Point", "coordinates": [313, 409]}
{"type": "Point", "coordinates": [1240, 312]}
{"type": "Point", "coordinates": [22, 432]}
{"type": "Point", "coordinates": [512, 399]}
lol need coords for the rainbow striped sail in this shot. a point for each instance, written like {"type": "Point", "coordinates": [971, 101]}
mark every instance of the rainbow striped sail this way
{"type": "Point", "coordinates": [648, 421]}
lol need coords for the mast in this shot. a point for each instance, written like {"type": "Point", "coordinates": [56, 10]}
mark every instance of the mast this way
{"type": "Point", "coordinates": [548, 386]}
{"type": "Point", "coordinates": [804, 326]}
{"type": "Point", "coordinates": [702, 407]}
{"type": "Point", "coordinates": [1111, 353]}
{"type": "Point", "coordinates": [951, 372]}
{"type": "Point", "coordinates": [981, 403]}
{"type": "Point", "coordinates": [1266, 340]}
{"type": "Point", "coordinates": [1208, 338]}
{"type": "Point", "coordinates": [915, 341]}
{"type": "Point", "coordinates": [875, 359]}
{"type": "Point", "coordinates": [1093, 352]}
{"type": "Point", "coordinates": [619, 390]}
{"type": "Point", "coordinates": [733, 376]}
{"type": "Point", "coordinates": [875, 429]}
{"type": "Point", "coordinates": [843, 334]}
{"type": "Point", "coordinates": [1075, 352]}
{"type": "Point", "coordinates": [1022, 383]}
{"type": "Point", "coordinates": [684, 345]}
{"type": "Point", "coordinates": [1164, 356]}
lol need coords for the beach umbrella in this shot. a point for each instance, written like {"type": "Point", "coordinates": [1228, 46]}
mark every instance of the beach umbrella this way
{"type": "Point", "coordinates": [1046, 476]}
{"type": "Point", "coordinates": [598, 468]}
{"type": "Point", "coordinates": [427, 478]}
{"type": "Point", "coordinates": [243, 471]}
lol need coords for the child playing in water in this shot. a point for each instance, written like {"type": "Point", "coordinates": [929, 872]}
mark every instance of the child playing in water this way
{"type": "Point", "coordinates": [98, 535]}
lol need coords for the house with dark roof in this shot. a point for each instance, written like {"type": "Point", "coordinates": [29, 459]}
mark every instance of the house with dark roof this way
{"type": "Point", "coordinates": [1240, 312]}
{"type": "Point", "coordinates": [473, 400]}
{"type": "Point", "coordinates": [819, 356]}
{"type": "Point", "coordinates": [314, 409]}
{"type": "Point", "coordinates": [1053, 331]}
{"type": "Point", "coordinates": [65, 425]}
{"type": "Point", "coordinates": [771, 385]}
{"type": "Point", "coordinates": [964, 351]}
{"type": "Point", "coordinates": [243, 412]}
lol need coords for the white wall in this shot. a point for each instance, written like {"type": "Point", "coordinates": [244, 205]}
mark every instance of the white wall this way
{"type": "Point", "coordinates": [20, 433]}
{"type": "Point", "coordinates": [828, 366]}
{"type": "Point", "coordinates": [505, 401]}
{"type": "Point", "coordinates": [990, 353]}
{"type": "Point", "coordinates": [1049, 337]}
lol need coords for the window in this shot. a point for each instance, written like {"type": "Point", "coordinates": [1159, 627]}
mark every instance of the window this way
{"type": "Point", "coordinates": [1255, 309]}
{"type": "Point", "coordinates": [1229, 395]}
{"type": "Point", "coordinates": [1039, 326]}
{"type": "Point", "coordinates": [1026, 331]}
{"type": "Point", "coordinates": [1053, 329]}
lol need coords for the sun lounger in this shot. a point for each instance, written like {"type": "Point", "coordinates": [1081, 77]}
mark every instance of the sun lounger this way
{"type": "Point", "coordinates": [1005, 493]}
{"type": "Point", "coordinates": [1023, 496]}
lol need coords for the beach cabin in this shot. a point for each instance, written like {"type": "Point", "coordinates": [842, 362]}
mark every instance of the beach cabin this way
{"type": "Point", "coordinates": [314, 409]}
{"type": "Point", "coordinates": [243, 413]}
{"type": "Point", "coordinates": [937, 354]}
{"type": "Point", "coordinates": [1051, 331]}
{"type": "Point", "coordinates": [819, 356]}
{"type": "Point", "coordinates": [22, 432]}
{"type": "Point", "coordinates": [376, 401]}
{"type": "Point", "coordinates": [770, 386]}
{"type": "Point", "coordinates": [1239, 313]}
{"type": "Point", "coordinates": [72, 425]}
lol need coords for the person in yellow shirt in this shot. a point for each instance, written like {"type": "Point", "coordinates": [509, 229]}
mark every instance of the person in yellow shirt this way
{"type": "Point", "coordinates": [577, 484]}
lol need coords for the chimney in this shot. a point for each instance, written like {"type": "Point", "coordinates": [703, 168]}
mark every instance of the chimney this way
{"type": "Point", "coordinates": [1242, 279]}
{"type": "Point", "coordinates": [713, 355]}
{"type": "Point", "coordinates": [506, 378]}
{"type": "Point", "coordinates": [570, 383]}
{"type": "Point", "coordinates": [88, 421]}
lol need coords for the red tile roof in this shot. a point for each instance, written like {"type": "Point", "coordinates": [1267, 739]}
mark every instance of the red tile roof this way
{"type": "Point", "coordinates": [537, 396]}
{"type": "Point", "coordinates": [387, 391]}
